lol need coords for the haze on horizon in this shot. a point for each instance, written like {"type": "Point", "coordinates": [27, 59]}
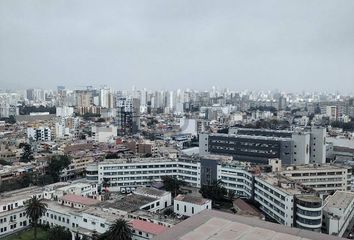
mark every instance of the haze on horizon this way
{"type": "Point", "coordinates": [158, 44]}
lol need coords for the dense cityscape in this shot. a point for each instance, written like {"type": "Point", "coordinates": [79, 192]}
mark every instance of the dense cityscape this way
{"type": "Point", "coordinates": [176, 120]}
{"type": "Point", "coordinates": [160, 159]}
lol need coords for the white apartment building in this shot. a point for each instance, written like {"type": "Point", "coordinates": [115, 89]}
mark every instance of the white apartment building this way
{"type": "Point", "coordinates": [103, 134]}
{"type": "Point", "coordinates": [12, 212]}
{"type": "Point", "coordinates": [288, 203]}
{"type": "Point", "coordinates": [338, 213]}
{"type": "Point", "coordinates": [67, 127]}
{"type": "Point", "coordinates": [325, 179]}
{"type": "Point", "coordinates": [128, 174]}
{"type": "Point", "coordinates": [236, 178]}
{"type": "Point", "coordinates": [77, 213]}
{"type": "Point", "coordinates": [64, 111]}
{"type": "Point", "coordinates": [331, 112]}
{"type": "Point", "coordinates": [39, 134]}
{"type": "Point", "coordinates": [188, 205]}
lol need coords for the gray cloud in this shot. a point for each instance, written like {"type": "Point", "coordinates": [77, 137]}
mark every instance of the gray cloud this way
{"type": "Point", "coordinates": [289, 45]}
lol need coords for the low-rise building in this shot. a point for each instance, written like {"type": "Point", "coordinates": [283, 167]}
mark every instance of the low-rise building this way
{"type": "Point", "coordinates": [12, 211]}
{"type": "Point", "coordinates": [188, 205]}
{"type": "Point", "coordinates": [338, 213]}
{"type": "Point", "coordinates": [143, 230]}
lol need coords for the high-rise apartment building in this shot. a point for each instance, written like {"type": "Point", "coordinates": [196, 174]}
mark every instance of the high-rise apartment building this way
{"type": "Point", "coordinates": [128, 116]}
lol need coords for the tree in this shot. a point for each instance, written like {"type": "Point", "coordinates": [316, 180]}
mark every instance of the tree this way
{"type": "Point", "coordinates": [84, 238]}
{"type": "Point", "coordinates": [4, 162]}
{"type": "Point", "coordinates": [25, 180]}
{"type": "Point", "coordinates": [216, 192]}
{"type": "Point", "coordinates": [27, 153]}
{"type": "Point", "coordinates": [231, 195]}
{"type": "Point", "coordinates": [11, 120]}
{"type": "Point", "coordinates": [59, 233]}
{"type": "Point", "coordinates": [119, 230]}
{"type": "Point", "coordinates": [35, 209]}
{"type": "Point", "coordinates": [172, 184]}
{"type": "Point", "coordinates": [57, 164]}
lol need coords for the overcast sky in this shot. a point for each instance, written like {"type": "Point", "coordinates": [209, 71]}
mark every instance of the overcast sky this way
{"type": "Point", "coordinates": [168, 44]}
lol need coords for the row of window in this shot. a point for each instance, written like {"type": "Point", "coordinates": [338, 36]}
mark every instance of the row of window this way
{"type": "Point", "coordinates": [138, 172]}
{"type": "Point", "coordinates": [94, 223]}
{"type": "Point", "coordinates": [139, 166]}
{"type": "Point", "coordinates": [271, 191]}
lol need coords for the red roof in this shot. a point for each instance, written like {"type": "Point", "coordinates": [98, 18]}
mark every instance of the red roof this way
{"type": "Point", "coordinates": [79, 199]}
{"type": "Point", "coordinates": [147, 227]}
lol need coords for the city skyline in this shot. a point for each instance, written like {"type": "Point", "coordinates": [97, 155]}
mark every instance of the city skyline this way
{"type": "Point", "coordinates": [291, 46]}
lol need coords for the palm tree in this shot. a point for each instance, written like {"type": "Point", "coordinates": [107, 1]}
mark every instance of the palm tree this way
{"type": "Point", "coordinates": [35, 209]}
{"type": "Point", "coordinates": [119, 230]}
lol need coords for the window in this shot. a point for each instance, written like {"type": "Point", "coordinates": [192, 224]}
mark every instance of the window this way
{"type": "Point", "coordinates": [192, 210]}
{"type": "Point", "coordinates": [102, 225]}
{"type": "Point", "coordinates": [85, 220]}
{"type": "Point", "coordinates": [177, 207]}
{"type": "Point", "coordinates": [185, 208]}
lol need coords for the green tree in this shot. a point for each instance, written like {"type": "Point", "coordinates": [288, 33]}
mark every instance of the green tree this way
{"type": "Point", "coordinates": [11, 120]}
{"type": "Point", "coordinates": [59, 233]}
{"type": "Point", "coordinates": [56, 165]}
{"type": "Point", "coordinates": [4, 162]}
{"type": "Point", "coordinates": [84, 238]}
{"type": "Point", "coordinates": [35, 209]}
{"type": "Point", "coordinates": [25, 180]}
{"type": "Point", "coordinates": [231, 195]}
{"type": "Point", "coordinates": [216, 191]}
{"type": "Point", "coordinates": [119, 230]}
{"type": "Point", "coordinates": [27, 153]}
{"type": "Point", "coordinates": [172, 184]}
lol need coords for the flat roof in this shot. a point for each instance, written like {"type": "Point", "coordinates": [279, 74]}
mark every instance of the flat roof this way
{"type": "Point", "coordinates": [339, 200]}
{"type": "Point", "coordinates": [147, 227]}
{"type": "Point", "coordinates": [135, 160]}
{"type": "Point", "coordinates": [16, 195]}
{"type": "Point", "coordinates": [79, 199]}
{"type": "Point", "coordinates": [192, 199]}
{"type": "Point", "coordinates": [261, 130]}
{"type": "Point", "coordinates": [242, 136]}
{"type": "Point", "coordinates": [130, 203]}
{"type": "Point", "coordinates": [216, 225]}
{"type": "Point", "coordinates": [281, 183]}
{"type": "Point", "coordinates": [150, 191]}
{"type": "Point", "coordinates": [311, 167]}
